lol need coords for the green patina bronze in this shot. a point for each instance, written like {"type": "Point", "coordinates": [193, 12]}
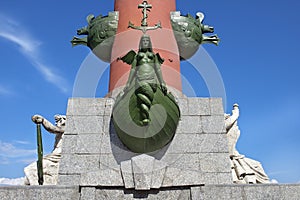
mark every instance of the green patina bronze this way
{"type": "Point", "coordinates": [100, 33]}
{"type": "Point", "coordinates": [145, 114]}
{"type": "Point", "coordinates": [39, 162]}
{"type": "Point", "coordinates": [189, 33]}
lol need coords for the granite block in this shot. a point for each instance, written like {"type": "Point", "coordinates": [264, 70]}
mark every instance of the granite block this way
{"type": "Point", "coordinates": [142, 167]}
{"type": "Point", "coordinates": [108, 177]}
{"type": "Point", "coordinates": [88, 193]}
{"type": "Point", "coordinates": [187, 161]}
{"type": "Point", "coordinates": [189, 125]}
{"type": "Point", "coordinates": [213, 124]}
{"type": "Point", "coordinates": [84, 124]}
{"type": "Point", "coordinates": [216, 106]}
{"type": "Point", "coordinates": [109, 106]}
{"type": "Point", "coordinates": [86, 106]}
{"type": "Point", "coordinates": [263, 192]}
{"type": "Point", "coordinates": [39, 192]}
{"type": "Point", "coordinates": [69, 144]}
{"type": "Point", "coordinates": [108, 161]}
{"type": "Point", "coordinates": [224, 178]}
{"type": "Point", "coordinates": [183, 106]}
{"type": "Point", "coordinates": [185, 143]}
{"type": "Point", "coordinates": [158, 173]}
{"type": "Point", "coordinates": [127, 174]}
{"type": "Point", "coordinates": [214, 162]}
{"type": "Point", "coordinates": [88, 144]}
{"type": "Point", "coordinates": [213, 143]}
{"type": "Point", "coordinates": [199, 106]}
{"type": "Point", "coordinates": [76, 164]}
{"type": "Point", "coordinates": [222, 193]}
{"type": "Point", "coordinates": [68, 179]}
{"type": "Point", "coordinates": [196, 193]}
{"type": "Point", "coordinates": [178, 177]}
{"type": "Point", "coordinates": [290, 192]}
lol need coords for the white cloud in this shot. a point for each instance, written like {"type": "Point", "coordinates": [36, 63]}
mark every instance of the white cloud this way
{"type": "Point", "coordinates": [8, 150]}
{"type": "Point", "coordinates": [274, 181]}
{"type": "Point", "coordinates": [21, 142]}
{"type": "Point", "coordinates": [9, 181]}
{"type": "Point", "coordinates": [29, 47]}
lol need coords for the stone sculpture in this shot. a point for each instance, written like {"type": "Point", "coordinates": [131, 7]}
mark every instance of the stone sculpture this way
{"type": "Point", "coordinates": [50, 161]}
{"type": "Point", "coordinates": [244, 170]}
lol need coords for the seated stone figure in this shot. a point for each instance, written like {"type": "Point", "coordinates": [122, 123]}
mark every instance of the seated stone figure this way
{"type": "Point", "coordinates": [50, 161]}
{"type": "Point", "coordinates": [244, 170]}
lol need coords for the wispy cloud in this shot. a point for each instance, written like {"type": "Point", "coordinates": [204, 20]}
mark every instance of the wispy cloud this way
{"type": "Point", "coordinates": [12, 181]}
{"type": "Point", "coordinates": [4, 91]}
{"type": "Point", "coordinates": [10, 153]}
{"type": "Point", "coordinates": [29, 47]}
{"type": "Point", "coordinates": [21, 142]}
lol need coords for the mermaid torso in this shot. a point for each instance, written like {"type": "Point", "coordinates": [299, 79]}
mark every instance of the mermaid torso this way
{"type": "Point", "coordinates": [145, 67]}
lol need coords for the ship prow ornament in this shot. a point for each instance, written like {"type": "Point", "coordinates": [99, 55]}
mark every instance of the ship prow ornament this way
{"type": "Point", "coordinates": [145, 114]}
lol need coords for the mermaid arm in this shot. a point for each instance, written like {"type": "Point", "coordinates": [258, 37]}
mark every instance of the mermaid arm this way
{"type": "Point", "coordinates": [131, 75]}
{"type": "Point", "coordinates": [158, 61]}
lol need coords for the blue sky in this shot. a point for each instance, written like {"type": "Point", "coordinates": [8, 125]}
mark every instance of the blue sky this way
{"type": "Point", "coordinates": [257, 59]}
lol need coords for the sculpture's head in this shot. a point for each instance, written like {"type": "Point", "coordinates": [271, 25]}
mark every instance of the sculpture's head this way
{"type": "Point", "coordinates": [145, 43]}
{"type": "Point", "coordinates": [60, 120]}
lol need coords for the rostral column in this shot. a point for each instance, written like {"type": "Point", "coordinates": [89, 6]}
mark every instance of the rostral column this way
{"type": "Point", "coordinates": [163, 40]}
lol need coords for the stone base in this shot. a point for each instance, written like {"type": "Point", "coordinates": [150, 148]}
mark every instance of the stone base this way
{"type": "Point", "coordinates": [216, 192]}
{"type": "Point", "coordinates": [93, 155]}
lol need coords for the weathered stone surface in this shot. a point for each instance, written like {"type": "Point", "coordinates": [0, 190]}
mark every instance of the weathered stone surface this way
{"type": "Point", "coordinates": [213, 143]}
{"type": "Point", "coordinates": [214, 162]}
{"type": "Point", "coordinates": [185, 143]}
{"type": "Point", "coordinates": [86, 106]}
{"type": "Point", "coordinates": [40, 192]}
{"type": "Point", "coordinates": [142, 167]}
{"type": "Point", "coordinates": [69, 179]}
{"type": "Point", "coordinates": [127, 174]}
{"type": "Point", "coordinates": [88, 143]}
{"type": "Point", "coordinates": [158, 174]}
{"type": "Point", "coordinates": [107, 177]}
{"type": "Point", "coordinates": [183, 105]}
{"type": "Point", "coordinates": [109, 106]}
{"type": "Point", "coordinates": [88, 193]}
{"type": "Point", "coordinates": [189, 124]}
{"type": "Point", "coordinates": [213, 124]}
{"type": "Point", "coordinates": [207, 192]}
{"type": "Point", "coordinates": [199, 106]}
{"type": "Point", "coordinates": [216, 106]}
{"type": "Point", "coordinates": [185, 161]}
{"type": "Point", "coordinates": [291, 191]}
{"type": "Point", "coordinates": [84, 124]}
{"type": "Point", "coordinates": [200, 141]}
{"type": "Point", "coordinates": [76, 164]}
{"type": "Point", "coordinates": [69, 144]}
{"type": "Point", "coordinates": [178, 177]}
{"type": "Point", "coordinates": [180, 194]}
{"type": "Point", "coordinates": [108, 161]}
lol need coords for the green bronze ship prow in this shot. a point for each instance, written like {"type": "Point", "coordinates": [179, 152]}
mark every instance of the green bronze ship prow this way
{"type": "Point", "coordinates": [145, 114]}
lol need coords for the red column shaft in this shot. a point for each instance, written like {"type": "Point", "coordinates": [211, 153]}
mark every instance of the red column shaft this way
{"type": "Point", "coordinates": [163, 40]}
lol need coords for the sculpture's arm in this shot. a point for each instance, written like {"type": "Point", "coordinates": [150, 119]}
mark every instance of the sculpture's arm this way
{"type": "Point", "coordinates": [158, 62]}
{"type": "Point", "coordinates": [233, 118]}
{"type": "Point", "coordinates": [131, 75]}
{"type": "Point", "coordinates": [38, 119]}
